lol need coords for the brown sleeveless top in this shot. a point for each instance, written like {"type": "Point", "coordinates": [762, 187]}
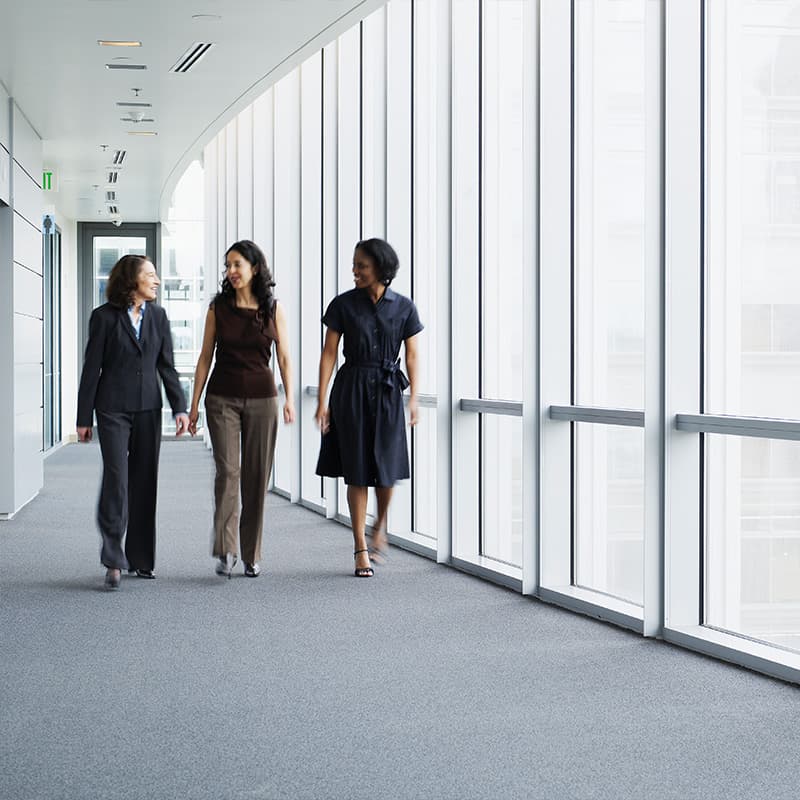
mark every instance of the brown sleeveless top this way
{"type": "Point", "coordinates": [244, 347]}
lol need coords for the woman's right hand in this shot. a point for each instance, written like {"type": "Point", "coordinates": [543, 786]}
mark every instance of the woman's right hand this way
{"type": "Point", "coordinates": [194, 415]}
{"type": "Point", "coordinates": [84, 434]}
{"type": "Point", "coordinates": [323, 418]}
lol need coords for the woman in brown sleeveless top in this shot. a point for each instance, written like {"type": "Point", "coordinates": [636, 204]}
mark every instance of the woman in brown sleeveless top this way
{"type": "Point", "coordinates": [243, 321]}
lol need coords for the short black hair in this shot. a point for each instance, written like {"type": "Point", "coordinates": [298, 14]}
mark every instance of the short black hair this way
{"type": "Point", "coordinates": [383, 256]}
{"type": "Point", "coordinates": [124, 279]}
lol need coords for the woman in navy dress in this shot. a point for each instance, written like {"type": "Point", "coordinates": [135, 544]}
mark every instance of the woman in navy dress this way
{"type": "Point", "coordinates": [363, 431]}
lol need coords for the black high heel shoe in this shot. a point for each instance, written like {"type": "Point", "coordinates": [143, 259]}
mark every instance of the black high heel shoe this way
{"type": "Point", "coordinates": [363, 572]}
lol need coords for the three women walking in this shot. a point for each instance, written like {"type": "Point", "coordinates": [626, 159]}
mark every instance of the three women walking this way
{"type": "Point", "coordinates": [363, 427]}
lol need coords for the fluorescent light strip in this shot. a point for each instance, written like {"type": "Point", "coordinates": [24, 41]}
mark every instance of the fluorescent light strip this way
{"type": "Point", "coordinates": [112, 43]}
{"type": "Point", "coordinates": [142, 133]}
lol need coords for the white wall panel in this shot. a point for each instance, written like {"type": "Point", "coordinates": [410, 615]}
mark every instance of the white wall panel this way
{"type": "Point", "coordinates": [27, 197]}
{"type": "Point", "coordinates": [6, 363]}
{"type": "Point", "coordinates": [5, 120]}
{"type": "Point", "coordinates": [373, 161]}
{"type": "Point", "coordinates": [286, 268]}
{"type": "Point", "coordinates": [330, 209]}
{"type": "Point", "coordinates": [244, 172]}
{"type": "Point", "coordinates": [27, 340]}
{"type": "Point", "coordinates": [222, 194]}
{"type": "Point", "coordinates": [27, 388]}
{"type": "Point", "coordinates": [264, 174]}
{"type": "Point", "coordinates": [348, 201]}
{"type": "Point", "coordinates": [27, 292]}
{"type": "Point", "coordinates": [349, 155]}
{"type": "Point", "coordinates": [5, 176]}
{"type": "Point", "coordinates": [211, 230]}
{"type": "Point", "coordinates": [27, 245]}
{"type": "Point", "coordinates": [28, 467]}
{"type": "Point", "coordinates": [554, 298]}
{"type": "Point", "coordinates": [330, 172]}
{"type": "Point", "coordinates": [465, 254]}
{"type": "Point", "coordinates": [310, 272]}
{"type": "Point", "coordinates": [398, 139]}
{"type": "Point", "coordinates": [398, 204]}
{"type": "Point", "coordinates": [27, 149]}
{"type": "Point", "coordinates": [231, 197]}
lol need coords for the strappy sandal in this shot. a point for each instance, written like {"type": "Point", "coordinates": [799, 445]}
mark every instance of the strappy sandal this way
{"type": "Point", "coordinates": [363, 572]}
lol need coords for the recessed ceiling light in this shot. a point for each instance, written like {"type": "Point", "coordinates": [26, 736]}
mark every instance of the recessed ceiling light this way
{"type": "Point", "coordinates": [111, 43]}
{"type": "Point", "coordinates": [142, 133]}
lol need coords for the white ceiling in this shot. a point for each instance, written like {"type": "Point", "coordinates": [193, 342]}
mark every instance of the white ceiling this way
{"type": "Point", "coordinates": [52, 66]}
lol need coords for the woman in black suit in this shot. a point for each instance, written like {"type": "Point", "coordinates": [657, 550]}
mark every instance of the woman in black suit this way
{"type": "Point", "coordinates": [129, 347]}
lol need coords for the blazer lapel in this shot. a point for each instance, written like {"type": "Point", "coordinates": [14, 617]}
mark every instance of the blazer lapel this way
{"type": "Point", "coordinates": [146, 333]}
{"type": "Point", "coordinates": [126, 324]}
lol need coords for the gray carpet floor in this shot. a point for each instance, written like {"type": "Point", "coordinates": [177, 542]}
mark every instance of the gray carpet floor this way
{"type": "Point", "coordinates": [308, 683]}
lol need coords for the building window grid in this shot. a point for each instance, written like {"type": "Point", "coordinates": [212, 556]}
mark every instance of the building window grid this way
{"type": "Point", "coordinates": [773, 335]}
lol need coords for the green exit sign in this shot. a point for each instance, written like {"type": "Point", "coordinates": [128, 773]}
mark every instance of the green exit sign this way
{"type": "Point", "coordinates": [49, 181]}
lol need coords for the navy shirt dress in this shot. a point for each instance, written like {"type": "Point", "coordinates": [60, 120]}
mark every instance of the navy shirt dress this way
{"type": "Point", "coordinates": [366, 441]}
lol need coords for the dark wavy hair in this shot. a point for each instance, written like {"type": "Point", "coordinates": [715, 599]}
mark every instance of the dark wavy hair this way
{"type": "Point", "coordinates": [123, 280]}
{"type": "Point", "coordinates": [383, 256]}
{"type": "Point", "coordinates": [262, 282]}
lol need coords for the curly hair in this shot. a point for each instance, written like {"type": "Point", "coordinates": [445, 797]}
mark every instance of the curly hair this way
{"type": "Point", "coordinates": [383, 256]}
{"type": "Point", "coordinates": [124, 279]}
{"type": "Point", "coordinates": [262, 282]}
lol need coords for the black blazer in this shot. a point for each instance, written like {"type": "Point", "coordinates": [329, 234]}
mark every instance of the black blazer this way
{"type": "Point", "coordinates": [121, 373]}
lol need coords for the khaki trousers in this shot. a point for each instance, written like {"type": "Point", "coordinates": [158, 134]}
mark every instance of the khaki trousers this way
{"type": "Point", "coordinates": [243, 432]}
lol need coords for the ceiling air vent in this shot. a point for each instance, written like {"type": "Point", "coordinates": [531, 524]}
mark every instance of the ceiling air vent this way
{"type": "Point", "coordinates": [134, 105]}
{"type": "Point", "coordinates": [126, 66]}
{"type": "Point", "coordinates": [191, 57]}
{"type": "Point", "coordinates": [113, 210]}
{"type": "Point", "coordinates": [112, 176]}
{"type": "Point", "coordinates": [119, 157]}
{"type": "Point", "coordinates": [111, 197]}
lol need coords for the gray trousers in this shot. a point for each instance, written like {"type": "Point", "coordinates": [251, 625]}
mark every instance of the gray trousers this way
{"type": "Point", "coordinates": [243, 433]}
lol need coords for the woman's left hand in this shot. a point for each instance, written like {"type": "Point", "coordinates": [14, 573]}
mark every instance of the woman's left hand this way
{"type": "Point", "coordinates": [181, 423]}
{"type": "Point", "coordinates": [288, 413]}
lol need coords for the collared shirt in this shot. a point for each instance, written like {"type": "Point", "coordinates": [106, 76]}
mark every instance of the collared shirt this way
{"type": "Point", "coordinates": [137, 326]}
{"type": "Point", "coordinates": [373, 332]}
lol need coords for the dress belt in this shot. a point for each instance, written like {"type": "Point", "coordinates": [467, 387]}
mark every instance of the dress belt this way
{"type": "Point", "coordinates": [393, 376]}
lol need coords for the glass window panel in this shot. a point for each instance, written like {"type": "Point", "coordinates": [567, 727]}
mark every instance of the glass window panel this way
{"type": "Point", "coordinates": [182, 291]}
{"type": "Point", "coordinates": [615, 140]}
{"type": "Point", "coordinates": [609, 510]}
{"type": "Point", "coordinates": [502, 331]}
{"type": "Point", "coordinates": [753, 208]}
{"type": "Point", "coordinates": [753, 538]}
{"type": "Point", "coordinates": [424, 473]}
{"type": "Point", "coordinates": [501, 484]}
